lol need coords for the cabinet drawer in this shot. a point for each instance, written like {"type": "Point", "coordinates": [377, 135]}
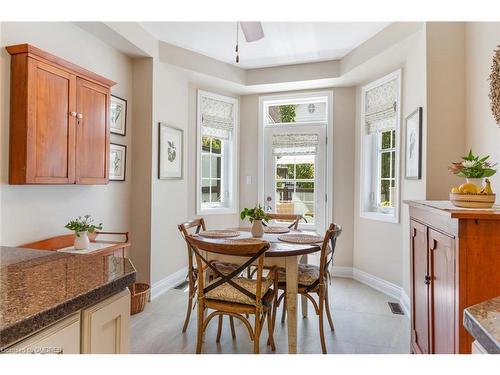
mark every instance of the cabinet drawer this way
{"type": "Point", "coordinates": [60, 338]}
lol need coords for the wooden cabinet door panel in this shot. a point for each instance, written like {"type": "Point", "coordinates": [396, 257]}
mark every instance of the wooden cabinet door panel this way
{"type": "Point", "coordinates": [92, 138]}
{"type": "Point", "coordinates": [106, 326]}
{"type": "Point", "coordinates": [51, 135]}
{"type": "Point", "coordinates": [442, 273]}
{"type": "Point", "coordinates": [420, 290]}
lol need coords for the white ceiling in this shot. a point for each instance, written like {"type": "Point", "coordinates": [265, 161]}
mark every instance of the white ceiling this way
{"type": "Point", "coordinates": [284, 43]}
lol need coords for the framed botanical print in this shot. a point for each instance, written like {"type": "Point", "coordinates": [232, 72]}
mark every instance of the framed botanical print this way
{"type": "Point", "coordinates": [118, 115]}
{"type": "Point", "coordinates": [117, 162]}
{"type": "Point", "coordinates": [413, 165]}
{"type": "Point", "coordinates": [170, 152]}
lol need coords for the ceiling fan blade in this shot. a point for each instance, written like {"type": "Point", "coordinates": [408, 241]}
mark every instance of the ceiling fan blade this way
{"type": "Point", "coordinates": [252, 31]}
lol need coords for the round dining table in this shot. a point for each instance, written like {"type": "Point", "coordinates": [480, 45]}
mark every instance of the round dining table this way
{"type": "Point", "coordinates": [281, 254]}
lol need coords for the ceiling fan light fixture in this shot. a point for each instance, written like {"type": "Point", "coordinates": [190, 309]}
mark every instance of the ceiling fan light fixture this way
{"type": "Point", "coordinates": [252, 30]}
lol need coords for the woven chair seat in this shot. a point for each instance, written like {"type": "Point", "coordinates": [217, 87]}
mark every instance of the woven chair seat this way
{"type": "Point", "coordinates": [307, 274]}
{"type": "Point", "coordinates": [228, 293]}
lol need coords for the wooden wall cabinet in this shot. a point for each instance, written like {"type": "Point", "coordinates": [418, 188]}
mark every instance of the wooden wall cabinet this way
{"type": "Point", "coordinates": [455, 263]}
{"type": "Point", "coordinates": [59, 120]}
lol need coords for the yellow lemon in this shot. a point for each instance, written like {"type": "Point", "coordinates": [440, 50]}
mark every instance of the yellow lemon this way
{"type": "Point", "coordinates": [455, 190]}
{"type": "Point", "coordinates": [469, 188]}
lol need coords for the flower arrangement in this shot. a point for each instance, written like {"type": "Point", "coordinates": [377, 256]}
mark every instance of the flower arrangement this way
{"type": "Point", "coordinates": [256, 213]}
{"type": "Point", "coordinates": [83, 224]}
{"type": "Point", "coordinates": [473, 166]}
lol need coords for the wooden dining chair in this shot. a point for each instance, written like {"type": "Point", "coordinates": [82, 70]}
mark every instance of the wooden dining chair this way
{"type": "Point", "coordinates": [295, 219]}
{"type": "Point", "coordinates": [313, 279]}
{"type": "Point", "coordinates": [195, 226]}
{"type": "Point", "coordinates": [233, 295]}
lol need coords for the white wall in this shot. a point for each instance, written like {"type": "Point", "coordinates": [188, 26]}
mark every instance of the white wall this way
{"type": "Point", "coordinates": [174, 201]}
{"type": "Point", "coordinates": [34, 212]}
{"type": "Point", "coordinates": [382, 248]}
{"type": "Point", "coordinates": [482, 133]}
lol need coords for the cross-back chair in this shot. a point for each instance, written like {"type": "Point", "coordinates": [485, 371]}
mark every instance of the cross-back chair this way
{"type": "Point", "coordinates": [196, 226]}
{"type": "Point", "coordinates": [313, 280]}
{"type": "Point", "coordinates": [294, 218]}
{"type": "Point", "coordinates": [232, 295]}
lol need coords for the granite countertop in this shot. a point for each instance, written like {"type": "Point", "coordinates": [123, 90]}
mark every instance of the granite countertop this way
{"type": "Point", "coordinates": [39, 287]}
{"type": "Point", "coordinates": [483, 323]}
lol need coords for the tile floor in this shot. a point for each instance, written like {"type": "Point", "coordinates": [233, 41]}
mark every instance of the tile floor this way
{"type": "Point", "coordinates": [363, 324]}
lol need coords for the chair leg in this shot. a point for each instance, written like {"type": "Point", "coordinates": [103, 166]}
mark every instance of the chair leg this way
{"type": "Point", "coordinates": [327, 307]}
{"type": "Point", "coordinates": [256, 339]}
{"type": "Point", "coordinates": [283, 314]}
{"type": "Point", "coordinates": [219, 328]}
{"type": "Point", "coordinates": [188, 313]}
{"type": "Point", "coordinates": [270, 329]}
{"type": "Point", "coordinates": [233, 332]}
{"type": "Point", "coordinates": [321, 311]}
{"type": "Point", "coordinates": [201, 318]}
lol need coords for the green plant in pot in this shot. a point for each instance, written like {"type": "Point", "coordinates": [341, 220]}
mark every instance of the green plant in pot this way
{"type": "Point", "coordinates": [256, 216]}
{"type": "Point", "coordinates": [82, 226]}
{"type": "Point", "coordinates": [474, 168]}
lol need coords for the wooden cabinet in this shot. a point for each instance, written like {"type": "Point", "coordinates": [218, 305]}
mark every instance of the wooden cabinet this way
{"type": "Point", "coordinates": [106, 326]}
{"type": "Point", "coordinates": [455, 263]}
{"type": "Point", "coordinates": [59, 120]}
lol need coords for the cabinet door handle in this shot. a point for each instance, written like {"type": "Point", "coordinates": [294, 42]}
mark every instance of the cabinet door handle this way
{"type": "Point", "coordinates": [427, 280]}
{"type": "Point", "coordinates": [79, 116]}
{"type": "Point", "coordinates": [72, 114]}
{"type": "Point", "coordinates": [433, 244]}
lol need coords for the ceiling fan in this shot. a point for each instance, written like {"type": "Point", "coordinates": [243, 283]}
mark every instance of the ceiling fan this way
{"type": "Point", "coordinates": [251, 30]}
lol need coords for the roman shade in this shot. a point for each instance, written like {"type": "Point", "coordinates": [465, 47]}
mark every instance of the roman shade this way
{"type": "Point", "coordinates": [295, 144]}
{"type": "Point", "coordinates": [381, 107]}
{"type": "Point", "coordinates": [217, 118]}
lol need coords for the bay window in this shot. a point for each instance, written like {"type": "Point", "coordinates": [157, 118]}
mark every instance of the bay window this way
{"type": "Point", "coordinates": [380, 129]}
{"type": "Point", "coordinates": [217, 156]}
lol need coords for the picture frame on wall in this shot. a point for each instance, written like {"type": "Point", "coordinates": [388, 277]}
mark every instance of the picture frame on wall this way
{"type": "Point", "coordinates": [117, 162]}
{"type": "Point", "coordinates": [118, 116]}
{"type": "Point", "coordinates": [413, 150]}
{"type": "Point", "coordinates": [170, 152]}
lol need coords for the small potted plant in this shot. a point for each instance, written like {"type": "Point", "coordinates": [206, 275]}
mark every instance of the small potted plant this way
{"type": "Point", "coordinates": [82, 226]}
{"type": "Point", "coordinates": [256, 215]}
{"type": "Point", "coordinates": [474, 168]}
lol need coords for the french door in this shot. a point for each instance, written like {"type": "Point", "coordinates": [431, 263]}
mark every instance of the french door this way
{"type": "Point", "coordinates": [295, 172]}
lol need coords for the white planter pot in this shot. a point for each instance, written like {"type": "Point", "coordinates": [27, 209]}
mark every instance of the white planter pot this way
{"type": "Point", "coordinates": [476, 181]}
{"type": "Point", "coordinates": [82, 241]}
{"type": "Point", "coordinates": [257, 229]}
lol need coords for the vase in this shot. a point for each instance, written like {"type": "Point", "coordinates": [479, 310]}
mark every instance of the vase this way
{"type": "Point", "coordinates": [257, 229]}
{"type": "Point", "coordinates": [82, 241]}
{"type": "Point", "coordinates": [476, 181]}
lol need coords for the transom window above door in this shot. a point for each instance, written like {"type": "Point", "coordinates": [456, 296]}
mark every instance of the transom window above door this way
{"type": "Point", "coordinates": [297, 111]}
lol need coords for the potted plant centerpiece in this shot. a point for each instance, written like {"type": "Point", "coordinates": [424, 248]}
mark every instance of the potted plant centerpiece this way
{"type": "Point", "coordinates": [256, 215]}
{"type": "Point", "coordinates": [474, 193]}
{"type": "Point", "coordinates": [82, 226]}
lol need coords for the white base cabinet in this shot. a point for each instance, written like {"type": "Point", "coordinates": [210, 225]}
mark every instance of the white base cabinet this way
{"type": "Point", "coordinates": [103, 328]}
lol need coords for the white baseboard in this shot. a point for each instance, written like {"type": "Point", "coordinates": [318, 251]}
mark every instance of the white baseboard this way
{"type": "Point", "coordinates": [377, 283]}
{"type": "Point", "coordinates": [169, 282]}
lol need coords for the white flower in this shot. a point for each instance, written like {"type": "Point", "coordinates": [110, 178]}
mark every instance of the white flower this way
{"type": "Point", "coordinates": [468, 163]}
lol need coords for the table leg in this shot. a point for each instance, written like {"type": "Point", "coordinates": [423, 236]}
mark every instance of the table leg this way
{"type": "Point", "coordinates": [303, 260]}
{"type": "Point", "coordinates": [291, 264]}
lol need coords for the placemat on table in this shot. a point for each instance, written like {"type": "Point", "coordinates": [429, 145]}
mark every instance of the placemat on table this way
{"type": "Point", "coordinates": [300, 238]}
{"type": "Point", "coordinates": [219, 233]}
{"type": "Point", "coordinates": [276, 230]}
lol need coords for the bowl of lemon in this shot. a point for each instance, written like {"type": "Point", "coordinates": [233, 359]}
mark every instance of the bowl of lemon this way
{"type": "Point", "coordinates": [469, 195]}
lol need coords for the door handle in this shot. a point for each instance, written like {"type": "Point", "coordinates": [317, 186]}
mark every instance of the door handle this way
{"type": "Point", "coordinates": [72, 114]}
{"type": "Point", "coordinates": [427, 280]}
{"type": "Point", "coordinates": [79, 116]}
{"type": "Point", "coordinates": [268, 206]}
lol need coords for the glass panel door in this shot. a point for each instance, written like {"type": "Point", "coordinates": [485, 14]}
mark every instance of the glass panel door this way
{"type": "Point", "coordinates": [295, 181]}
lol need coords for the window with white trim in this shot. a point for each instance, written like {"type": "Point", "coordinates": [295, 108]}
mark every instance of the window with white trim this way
{"type": "Point", "coordinates": [380, 128]}
{"type": "Point", "coordinates": [217, 156]}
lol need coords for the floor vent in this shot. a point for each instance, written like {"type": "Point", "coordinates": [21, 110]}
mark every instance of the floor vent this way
{"type": "Point", "coordinates": [182, 285]}
{"type": "Point", "coordinates": [396, 308]}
